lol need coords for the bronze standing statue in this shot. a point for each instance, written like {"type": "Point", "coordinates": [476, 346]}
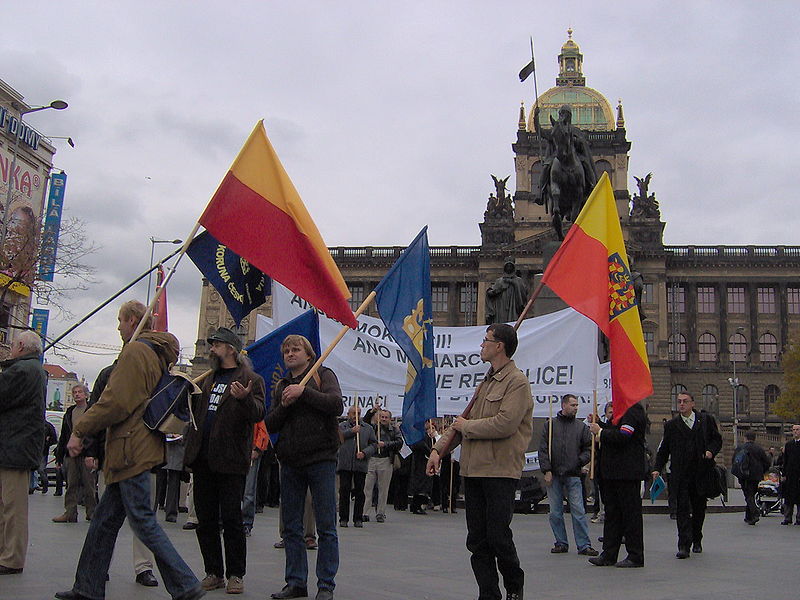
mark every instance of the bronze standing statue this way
{"type": "Point", "coordinates": [568, 174]}
{"type": "Point", "coordinates": [506, 297]}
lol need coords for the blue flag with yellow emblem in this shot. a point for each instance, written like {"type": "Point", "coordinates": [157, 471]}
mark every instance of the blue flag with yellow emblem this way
{"type": "Point", "coordinates": [404, 302]}
{"type": "Point", "coordinates": [266, 355]}
{"type": "Point", "coordinates": [240, 285]}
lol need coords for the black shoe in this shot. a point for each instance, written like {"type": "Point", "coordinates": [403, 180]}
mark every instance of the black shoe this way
{"type": "Point", "coordinates": [290, 591]}
{"type": "Point", "coordinates": [58, 494]}
{"type": "Point", "coordinates": [514, 595]}
{"type": "Point", "coordinates": [70, 595]}
{"type": "Point", "coordinates": [559, 549]}
{"type": "Point", "coordinates": [171, 519]}
{"type": "Point", "coordinates": [9, 570]}
{"type": "Point", "coordinates": [147, 579]}
{"type": "Point", "coordinates": [365, 518]}
{"type": "Point", "coordinates": [380, 519]}
{"type": "Point", "coordinates": [682, 553]}
{"type": "Point", "coordinates": [785, 522]}
{"type": "Point", "coordinates": [697, 547]}
{"type": "Point", "coordinates": [342, 523]}
{"type": "Point", "coordinates": [599, 561]}
{"type": "Point", "coordinates": [189, 525]}
{"type": "Point", "coordinates": [628, 564]}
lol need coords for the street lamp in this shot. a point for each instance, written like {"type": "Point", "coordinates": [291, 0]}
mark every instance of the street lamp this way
{"type": "Point", "coordinates": [734, 382]}
{"type": "Point", "coordinates": [70, 141]}
{"type": "Point", "coordinates": [56, 105]}
{"type": "Point", "coordinates": [153, 242]}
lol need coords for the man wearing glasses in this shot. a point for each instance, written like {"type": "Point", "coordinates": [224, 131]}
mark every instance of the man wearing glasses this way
{"type": "Point", "coordinates": [494, 440]}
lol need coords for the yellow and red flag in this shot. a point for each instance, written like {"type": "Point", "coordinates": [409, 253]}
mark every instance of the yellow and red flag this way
{"type": "Point", "coordinates": [258, 214]}
{"type": "Point", "coordinates": [591, 273]}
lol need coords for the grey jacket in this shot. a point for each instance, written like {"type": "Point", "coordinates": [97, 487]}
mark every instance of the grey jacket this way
{"type": "Point", "coordinates": [22, 391]}
{"type": "Point", "coordinates": [571, 450]}
{"type": "Point", "coordinates": [347, 460]}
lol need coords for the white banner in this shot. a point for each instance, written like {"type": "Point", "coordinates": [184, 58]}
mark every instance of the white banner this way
{"type": "Point", "coordinates": [558, 352]}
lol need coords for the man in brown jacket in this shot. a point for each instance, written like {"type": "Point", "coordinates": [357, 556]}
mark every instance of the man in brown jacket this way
{"type": "Point", "coordinates": [131, 451]}
{"type": "Point", "coordinates": [493, 444]}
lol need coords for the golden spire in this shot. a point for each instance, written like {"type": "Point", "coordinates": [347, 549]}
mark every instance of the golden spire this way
{"type": "Point", "coordinates": [521, 123]}
{"type": "Point", "coordinates": [620, 117]}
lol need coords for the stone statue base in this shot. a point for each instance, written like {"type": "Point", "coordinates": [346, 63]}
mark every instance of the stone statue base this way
{"type": "Point", "coordinates": [548, 301]}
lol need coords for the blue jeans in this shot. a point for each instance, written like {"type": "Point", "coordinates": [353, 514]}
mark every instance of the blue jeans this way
{"type": "Point", "coordinates": [129, 498]}
{"type": "Point", "coordinates": [249, 501]}
{"type": "Point", "coordinates": [573, 488]}
{"type": "Point", "coordinates": [320, 478]}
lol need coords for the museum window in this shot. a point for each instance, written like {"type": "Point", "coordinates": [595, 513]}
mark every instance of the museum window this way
{"type": "Point", "coordinates": [793, 298]}
{"type": "Point", "coordinates": [771, 395]}
{"type": "Point", "coordinates": [768, 347]}
{"type": "Point", "coordinates": [468, 301]}
{"type": "Point", "coordinates": [743, 400]}
{"type": "Point", "coordinates": [737, 346]}
{"type": "Point", "coordinates": [676, 347]}
{"type": "Point", "coordinates": [439, 297]}
{"type": "Point", "coordinates": [648, 294]}
{"type": "Point", "coordinates": [706, 300]}
{"type": "Point", "coordinates": [356, 295]}
{"type": "Point", "coordinates": [707, 348]}
{"type": "Point", "coordinates": [678, 388]}
{"type": "Point", "coordinates": [676, 299]}
{"type": "Point", "coordinates": [765, 298]}
{"type": "Point", "coordinates": [710, 399]}
{"type": "Point", "coordinates": [650, 342]}
{"type": "Point", "coordinates": [736, 300]}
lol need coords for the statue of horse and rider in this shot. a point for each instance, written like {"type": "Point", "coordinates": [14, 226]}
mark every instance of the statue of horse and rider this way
{"type": "Point", "coordinates": [568, 175]}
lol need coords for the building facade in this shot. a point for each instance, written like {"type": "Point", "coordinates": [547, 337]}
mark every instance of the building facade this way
{"type": "Point", "coordinates": [712, 315]}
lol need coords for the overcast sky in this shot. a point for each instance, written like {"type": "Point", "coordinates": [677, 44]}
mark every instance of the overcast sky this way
{"type": "Point", "coordinates": [389, 116]}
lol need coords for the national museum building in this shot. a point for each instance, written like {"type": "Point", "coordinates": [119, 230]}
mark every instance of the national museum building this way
{"type": "Point", "coordinates": [709, 311]}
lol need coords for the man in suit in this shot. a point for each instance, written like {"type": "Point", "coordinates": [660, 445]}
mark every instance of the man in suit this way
{"type": "Point", "coordinates": [691, 440]}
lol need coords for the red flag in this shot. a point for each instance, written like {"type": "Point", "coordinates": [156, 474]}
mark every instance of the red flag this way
{"type": "Point", "coordinates": [160, 309]}
{"type": "Point", "coordinates": [591, 273]}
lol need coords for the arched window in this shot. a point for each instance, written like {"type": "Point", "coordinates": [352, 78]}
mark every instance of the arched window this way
{"type": "Point", "coordinates": [707, 347]}
{"type": "Point", "coordinates": [678, 388]}
{"type": "Point", "coordinates": [603, 166]}
{"type": "Point", "coordinates": [743, 400]}
{"type": "Point", "coordinates": [768, 347]}
{"type": "Point", "coordinates": [711, 399]}
{"type": "Point", "coordinates": [737, 346]}
{"type": "Point", "coordinates": [771, 395]}
{"type": "Point", "coordinates": [676, 347]}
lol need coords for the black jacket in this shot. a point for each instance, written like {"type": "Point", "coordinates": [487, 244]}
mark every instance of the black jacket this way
{"type": "Point", "coordinates": [22, 397]}
{"type": "Point", "coordinates": [308, 429]}
{"type": "Point", "coordinates": [66, 431]}
{"type": "Point", "coordinates": [572, 447]}
{"type": "Point", "coordinates": [623, 447]}
{"type": "Point", "coordinates": [758, 460]}
{"type": "Point", "coordinates": [230, 441]}
{"type": "Point", "coordinates": [686, 447]}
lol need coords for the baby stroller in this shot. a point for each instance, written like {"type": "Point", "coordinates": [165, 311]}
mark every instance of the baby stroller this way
{"type": "Point", "coordinates": [768, 495]}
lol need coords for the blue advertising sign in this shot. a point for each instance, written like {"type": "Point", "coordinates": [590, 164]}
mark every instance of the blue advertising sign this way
{"type": "Point", "coordinates": [39, 322]}
{"type": "Point", "coordinates": [52, 225]}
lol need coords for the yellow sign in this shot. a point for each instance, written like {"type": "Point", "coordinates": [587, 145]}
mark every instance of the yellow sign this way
{"type": "Point", "coordinates": [16, 286]}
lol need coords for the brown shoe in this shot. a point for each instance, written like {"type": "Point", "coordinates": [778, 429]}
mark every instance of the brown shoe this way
{"type": "Point", "coordinates": [235, 585]}
{"type": "Point", "coordinates": [65, 518]}
{"type": "Point", "coordinates": [212, 582]}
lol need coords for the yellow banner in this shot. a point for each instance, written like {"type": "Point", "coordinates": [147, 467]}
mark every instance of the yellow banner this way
{"type": "Point", "coordinates": [16, 286]}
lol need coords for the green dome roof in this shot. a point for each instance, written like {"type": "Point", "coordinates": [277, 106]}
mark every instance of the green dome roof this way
{"type": "Point", "coordinates": [590, 109]}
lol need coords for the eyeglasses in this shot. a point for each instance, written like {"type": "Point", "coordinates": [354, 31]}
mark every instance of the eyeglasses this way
{"type": "Point", "coordinates": [488, 340]}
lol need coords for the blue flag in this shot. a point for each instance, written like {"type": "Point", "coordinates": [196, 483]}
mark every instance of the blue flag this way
{"type": "Point", "coordinates": [404, 302]}
{"type": "Point", "coordinates": [267, 357]}
{"type": "Point", "coordinates": [240, 285]}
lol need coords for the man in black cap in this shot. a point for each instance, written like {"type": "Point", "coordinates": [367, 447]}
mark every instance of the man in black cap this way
{"type": "Point", "coordinates": [219, 454]}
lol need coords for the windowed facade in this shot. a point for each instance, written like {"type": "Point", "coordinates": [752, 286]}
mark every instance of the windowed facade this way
{"type": "Point", "coordinates": [650, 342]}
{"type": "Point", "coordinates": [648, 294]}
{"type": "Point", "coordinates": [439, 297]}
{"type": "Point", "coordinates": [356, 295]}
{"type": "Point", "coordinates": [706, 300]}
{"type": "Point", "coordinates": [771, 395]}
{"type": "Point", "coordinates": [793, 300]}
{"type": "Point", "coordinates": [737, 346]}
{"type": "Point", "coordinates": [743, 400]}
{"type": "Point", "coordinates": [468, 302]}
{"type": "Point", "coordinates": [711, 399]}
{"type": "Point", "coordinates": [678, 388]}
{"type": "Point", "coordinates": [765, 300]}
{"type": "Point", "coordinates": [768, 347]}
{"type": "Point", "coordinates": [736, 301]}
{"type": "Point", "coordinates": [676, 299]}
{"type": "Point", "coordinates": [707, 348]}
{"type": "Point", "coordinates": [676, 347]}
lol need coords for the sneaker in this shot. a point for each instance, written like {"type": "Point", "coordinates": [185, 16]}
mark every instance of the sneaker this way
{"type": "Point", "coordinates": [365, 518]}
{"type": "Point", "coordinates": [189, 525]}
{"type": "Point", "coordinates": [380, 518]}
{"type": "Point", "coordinates": [235, 585]}
{"type": "Point", "coordinates": [357, 524]}
{"type": "Point", "coordinates": [279, 544]}
{"type": "Point", "coordinates": [342, 523]}
{"type": "Point", "coordinates": [559, 549]}
{"type": "Point", "coordinates": [595, 518]}
{"type": "Point", "coordinates": [588, 551]}
{"type": "Point", "coordinates": [311, 544]}
{"type": "Point", "coordinates": [212, 582]}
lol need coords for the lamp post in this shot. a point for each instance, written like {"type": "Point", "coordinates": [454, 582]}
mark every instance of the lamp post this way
{"type": "Point", "coordinates": [153, 242]}
{"type": "Point", "coordinates": [56, 105]}
{"type": "Point", "coordinates": [734, 381]}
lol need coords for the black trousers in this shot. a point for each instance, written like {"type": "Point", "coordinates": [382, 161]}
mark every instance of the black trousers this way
{"type": "Point", "coordinates": [219, 495]}
{"type": "Point", "coordinates": [168, 491]}
{"type": "Point", "coordinates": [351, 481]}
{"type": "Point", "coordinates": [691, 511]}
{"type": "Point", "coordinates": [749, 489]}
{"type": "Point", "coordinates": [446, 482]}
{"type": "Point", "coordinates": [490, 506]}
{"type": "Point", "coordinates": [623, 519]}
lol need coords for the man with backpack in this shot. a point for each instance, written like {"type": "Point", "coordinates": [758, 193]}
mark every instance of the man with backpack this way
{"type": "Point", "coordinates": [750, 462]}
{"type": "Point", "coordinates": [131, 451]}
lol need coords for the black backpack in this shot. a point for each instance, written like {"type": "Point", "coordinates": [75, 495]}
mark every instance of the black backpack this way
{"type": "Point", "coordinates": [741, 464]}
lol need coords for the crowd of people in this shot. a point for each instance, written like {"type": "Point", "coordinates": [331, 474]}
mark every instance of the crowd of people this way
{"type": "Point", "coordinates": [325, 471]}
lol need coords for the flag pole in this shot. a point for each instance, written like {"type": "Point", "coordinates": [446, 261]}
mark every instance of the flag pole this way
{"type": "Point", "coordinates": [550, 431]}
{"type": "Point", "coordinates": [163, 287]}
{"type": "Point", "coordinates": [594, 438]}
{"type": "Point", "coordinates": [358, 438]}
{"type": "Point", "coordinates": [536, 93]}
{"type": "Point", "coordinates": [450, 495]}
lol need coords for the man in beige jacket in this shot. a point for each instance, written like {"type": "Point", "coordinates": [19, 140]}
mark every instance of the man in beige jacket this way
{"type": "Point", "coordinates": [493, 444]}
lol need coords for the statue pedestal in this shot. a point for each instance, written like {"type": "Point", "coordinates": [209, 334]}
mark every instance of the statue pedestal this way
{"type": "Point", "coordinates": [547, 302]}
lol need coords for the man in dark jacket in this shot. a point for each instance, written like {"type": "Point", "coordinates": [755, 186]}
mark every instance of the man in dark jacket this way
{"type": "Point", "coordinates": [22, 392]}
{"type": "Point", "coordinates": [219, 455]}
{"type": "Point", "coordinates": [757, 462]}
{"type": "Point", "coordinates": [305, 419]}
{"type": "Point", "coordinates": [561, 465]}
{"type": "Point", "coordinates": [790, 477]}
{"type": "Point", "coordinates": [622, 468]}
{"type": "Point", "coordinates": [359, 444]}
{"type": "Point", "coordinates": [691, 440]}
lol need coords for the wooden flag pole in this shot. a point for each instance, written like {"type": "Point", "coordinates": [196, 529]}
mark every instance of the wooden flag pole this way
{"type": "Point", "coordinates": [358, 438]}
{"type": "Point", "coordinates": [550, 432]}
{"type": "Point", "coordinates": [594, 438]}
{"type": "Point", "coordinates": [450, 495]}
